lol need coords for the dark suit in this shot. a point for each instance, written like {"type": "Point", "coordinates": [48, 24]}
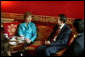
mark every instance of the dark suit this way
{"type": "Point", "coordinates": [60, 43]}
{"type": "Point", "coordinates": [77, 47]}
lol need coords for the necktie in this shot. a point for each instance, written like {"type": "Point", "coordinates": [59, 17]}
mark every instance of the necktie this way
{"type": "Point", "coordinates": [57, 33]}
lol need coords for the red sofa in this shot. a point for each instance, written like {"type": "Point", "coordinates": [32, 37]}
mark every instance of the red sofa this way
{"type": "Point", "coordinates": [44, 29]}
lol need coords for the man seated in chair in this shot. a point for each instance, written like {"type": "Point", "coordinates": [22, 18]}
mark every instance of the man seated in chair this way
{"type": "Point", "coordinates": [60, 39]}
{"type": "Point", "coordinates": [77, 46]}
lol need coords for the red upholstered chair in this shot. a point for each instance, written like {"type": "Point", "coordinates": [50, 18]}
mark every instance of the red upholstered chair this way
{"type": "Point", "coordinates": [72, 37]}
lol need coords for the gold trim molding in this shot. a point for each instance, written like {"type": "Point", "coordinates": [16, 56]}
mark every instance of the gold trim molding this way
{"type": "Point", "coordinates": [51, 19]}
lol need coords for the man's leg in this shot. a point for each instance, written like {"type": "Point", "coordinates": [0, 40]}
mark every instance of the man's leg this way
{"type": "Point", "coordinates": [50, 50]}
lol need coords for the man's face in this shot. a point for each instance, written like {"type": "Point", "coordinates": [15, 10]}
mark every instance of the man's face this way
{"type": "Point", "coordinates": [59, 22]}
{"type": "Point", "coordinates": [28, 19]}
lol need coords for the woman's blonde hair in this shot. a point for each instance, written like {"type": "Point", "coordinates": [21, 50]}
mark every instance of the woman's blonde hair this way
{"type": "Point", "coordinates": [27, 14]}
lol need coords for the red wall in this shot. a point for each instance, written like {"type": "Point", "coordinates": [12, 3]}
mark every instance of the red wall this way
{"type": "Point", "coordinates": [72, 9]}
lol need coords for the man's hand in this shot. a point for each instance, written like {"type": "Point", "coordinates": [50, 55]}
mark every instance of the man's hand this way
{"type": "Point", "coordinates": [47, 42]}
{"type": "Point", "coordinates": [28, 40]}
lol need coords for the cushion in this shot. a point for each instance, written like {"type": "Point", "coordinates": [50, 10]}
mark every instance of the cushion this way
{"type": "Point", "coordinates": [34, 45]}
{"type": "Point", "coordinates": [11, 28]}
{"type": "Point", "coordinates": [43, 32]}
{"type": "Point", "coordinates": [31, 49]}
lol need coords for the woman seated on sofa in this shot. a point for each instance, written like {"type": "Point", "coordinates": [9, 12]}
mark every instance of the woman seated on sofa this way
{"type": "Point", "coordinates": [28, 29]}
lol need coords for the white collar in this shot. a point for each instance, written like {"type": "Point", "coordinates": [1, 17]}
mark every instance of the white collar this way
{"type": "Point", "coordinates": [62, 26]}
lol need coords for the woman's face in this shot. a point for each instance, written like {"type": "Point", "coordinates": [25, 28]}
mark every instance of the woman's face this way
{"type": "Point", "coordinates": [28, 19]}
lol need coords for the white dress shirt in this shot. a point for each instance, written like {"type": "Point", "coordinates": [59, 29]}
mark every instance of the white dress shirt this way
{"type": "Point", "coordinates": [60, 30]}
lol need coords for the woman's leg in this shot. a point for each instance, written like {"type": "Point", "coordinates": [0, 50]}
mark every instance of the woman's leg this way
{"type": "Point", "coordinates": [41, 50]}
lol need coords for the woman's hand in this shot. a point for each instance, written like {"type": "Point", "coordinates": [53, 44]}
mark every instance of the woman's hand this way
{"type": "Point", "coordinates": [28, 40]}
{"type": "Point", "coordinates": [21, 35]}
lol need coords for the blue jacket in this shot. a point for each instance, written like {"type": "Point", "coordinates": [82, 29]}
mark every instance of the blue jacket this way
{"type": "Point", "coordinates": [29, 31]}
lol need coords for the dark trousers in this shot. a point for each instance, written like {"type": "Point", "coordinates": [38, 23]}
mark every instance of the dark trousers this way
{"type": "Point", "coordinates": [40, 50]}
{"type": "Point", "coordinates": [24, 51]}
{"type": "Point", "coordinates": [48, 50]}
